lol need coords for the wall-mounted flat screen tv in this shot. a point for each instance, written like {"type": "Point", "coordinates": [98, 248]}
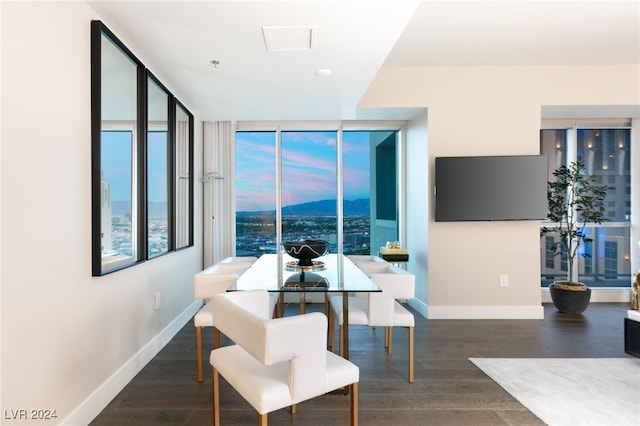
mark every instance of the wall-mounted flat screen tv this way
{"type": "Point", "coordinates": [491, 188]}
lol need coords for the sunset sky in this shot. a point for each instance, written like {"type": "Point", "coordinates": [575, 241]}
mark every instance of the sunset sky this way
{"type": "Point", "coordinates": [116, 158]}
{"type": "Point", "coordinates": [308, 168]}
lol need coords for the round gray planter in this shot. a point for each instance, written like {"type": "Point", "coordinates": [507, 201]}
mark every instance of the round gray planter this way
{"type": "Point", "coordinates": [569, 301]}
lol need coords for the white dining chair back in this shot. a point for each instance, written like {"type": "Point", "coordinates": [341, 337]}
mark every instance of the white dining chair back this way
{"type": "Point", "coordinates": [212, 280]}
{"type": "Point", "coordinates": [365, 258]}
{"type": "Point", "coordinates": [241, 259]}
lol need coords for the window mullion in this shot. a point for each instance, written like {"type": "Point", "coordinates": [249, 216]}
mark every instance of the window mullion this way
{"type": "Point", "coordinates": [140, 174]}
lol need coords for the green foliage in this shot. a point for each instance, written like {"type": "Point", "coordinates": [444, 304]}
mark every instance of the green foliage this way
{"type": "Point", "coordinates": [574, 201]}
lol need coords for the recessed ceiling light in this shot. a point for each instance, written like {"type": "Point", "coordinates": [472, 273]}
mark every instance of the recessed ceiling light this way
{"type": "Point", "coordinates": [324, 72]}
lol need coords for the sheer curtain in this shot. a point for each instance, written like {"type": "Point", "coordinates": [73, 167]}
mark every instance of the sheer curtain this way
{"type": "Point", "coordinates": [219, 191]}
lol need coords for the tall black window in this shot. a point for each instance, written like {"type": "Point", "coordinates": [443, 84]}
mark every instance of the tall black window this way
{"type": "Point", "coordinates": [134, 160]}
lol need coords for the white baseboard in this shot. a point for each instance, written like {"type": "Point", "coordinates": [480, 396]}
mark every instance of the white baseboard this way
{"type": "Point", "coordinates": [419, 306]}
{"type": "Point", "coordinates": [598, 295]}
{"type": "Point", "coordinates": [485, 312]}
{"type": "Point", "coordinates": [84, 413]}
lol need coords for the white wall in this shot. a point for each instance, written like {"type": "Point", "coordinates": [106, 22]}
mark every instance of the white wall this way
{"type": "Point", "coordinates": [69, 341]}
{"type": "Point", "coordinates": [487, 111]}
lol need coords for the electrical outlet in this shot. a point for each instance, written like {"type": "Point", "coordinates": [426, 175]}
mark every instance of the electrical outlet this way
{"type": "Point", "coordinates": [157, 301]}
{"type": "Point", "coordinates": [504, 280]}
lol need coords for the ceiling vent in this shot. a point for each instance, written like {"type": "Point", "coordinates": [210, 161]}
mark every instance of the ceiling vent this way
{"type": "Point", "coordinates": [287, 39]}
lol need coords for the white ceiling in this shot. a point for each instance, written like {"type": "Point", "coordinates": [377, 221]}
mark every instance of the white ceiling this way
{"type": "Point", "coordinates": [178, 40]}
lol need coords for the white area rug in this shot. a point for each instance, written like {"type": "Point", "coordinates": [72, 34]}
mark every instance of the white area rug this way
{"type": "Point", "coordinates": [571, 391]}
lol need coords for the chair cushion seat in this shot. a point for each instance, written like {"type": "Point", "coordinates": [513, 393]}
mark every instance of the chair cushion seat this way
{"type": "Point", "coordinates": [402, 317]}
{"type": "Point", "coordinates": [358, 308]}
{"type": "Point", "coordinates": [204, 317]}
{"type": "Point", "coordinates": [266, 387]}
{"type": "Point", "coordinates": [340, 372]}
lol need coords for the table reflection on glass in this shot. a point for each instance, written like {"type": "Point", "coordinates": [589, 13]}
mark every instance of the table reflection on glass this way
{"type": "Point", "coordinates": [332, 273]}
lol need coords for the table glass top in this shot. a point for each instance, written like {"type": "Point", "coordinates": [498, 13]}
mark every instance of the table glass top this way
{"type": "Point", "coordinates": [280, 273]}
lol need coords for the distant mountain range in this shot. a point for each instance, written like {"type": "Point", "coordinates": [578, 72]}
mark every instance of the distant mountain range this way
{"type": "Point", "coordinates": [313, 208]}
{"type": "Point", "coordinates": [317, 208]}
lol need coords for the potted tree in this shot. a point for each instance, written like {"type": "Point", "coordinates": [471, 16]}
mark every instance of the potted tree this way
{"type": "Point", "coordinates": [574, 201]}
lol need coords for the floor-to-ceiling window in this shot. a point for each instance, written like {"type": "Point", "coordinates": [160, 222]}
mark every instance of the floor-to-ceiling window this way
{"type": "Point", "coordinates": [605, 260]}
{"type": "Point", "coordinates": [356, 184]}
{"type": "Point", "coordinates": [309, 167]}
{"type": "Point", "coordinates": [255, 193]}
{"type": "Point", "coordinates": [327, 187]}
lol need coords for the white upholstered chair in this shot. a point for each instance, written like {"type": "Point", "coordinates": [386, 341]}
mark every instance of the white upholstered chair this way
{"type": "Point", "coordinates": [211, 281]}
{"type": "Point", "coordinates": [275, 363]}
{"type": "Point", "coordinates": [380, 309]}
{"type": "Point", "coordinates": [241, 259]}
{"type": "Point", "coordinates": [364, 258]}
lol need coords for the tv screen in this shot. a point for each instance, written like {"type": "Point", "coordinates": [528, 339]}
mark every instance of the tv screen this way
{"type": "Point", "coordinates": [491, 188]}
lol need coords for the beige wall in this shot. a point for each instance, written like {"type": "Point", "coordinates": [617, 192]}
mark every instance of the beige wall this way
{"type": "Point", "coordinates": [484, 111]}
{"type": "Point", "coordinates": [69, 341]}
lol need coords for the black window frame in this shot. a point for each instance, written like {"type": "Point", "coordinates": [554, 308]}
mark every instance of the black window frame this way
{"type": "Point", "coordinates": [98, 29]}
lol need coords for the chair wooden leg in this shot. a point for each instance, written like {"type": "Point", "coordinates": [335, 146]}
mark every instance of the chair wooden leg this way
{"type": "Point", "coordinates": [327, 306]}
{"type": "Point", "coordinates": [411, 348]}
{"type": "Point", "coordinates": [199, 349]}
{"type": "Point", "coordinates": [292, 409]}
{"type": "Point", "coordinates": [216, 338]}
{"type": "Point", "coordinates": [389, 337]}
{"type": "Point", "coordinates": [303, 302]}
{"type": "Point", "coordinates": [280, 306]}
{"type": "Point", "coordinates": [262, 420]}
{"type": "Point", "coordinates": [332, 330]}
{"type": "Point", "coordinates": [354, 404]}
{"type": "Point", "coordinates": [341, 338]}
{"type": "Point", "coordinates": [216, 398]}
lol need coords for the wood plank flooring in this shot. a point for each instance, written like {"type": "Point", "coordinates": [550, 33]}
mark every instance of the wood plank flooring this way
{"type": "Point", "coordinates": [448, 389]}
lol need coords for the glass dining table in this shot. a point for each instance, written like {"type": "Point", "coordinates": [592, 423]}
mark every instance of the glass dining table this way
{"type": "Point", "coordinates": [331, 273]}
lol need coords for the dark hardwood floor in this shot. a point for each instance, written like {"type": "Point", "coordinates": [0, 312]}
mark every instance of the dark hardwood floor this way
{"type": "Point", "coordinates": [448, 388]}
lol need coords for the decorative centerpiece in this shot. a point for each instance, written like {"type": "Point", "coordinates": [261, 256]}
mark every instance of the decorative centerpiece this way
{"type": "Point", "coordinates": [306, 250]}
{"type": "Point", "coordinates": [306, 281]}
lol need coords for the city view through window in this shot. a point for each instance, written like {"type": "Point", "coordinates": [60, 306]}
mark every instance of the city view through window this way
{"type": "Point", "coordinates": [117, 194]}
{"type": "Point", "coordinates": [308, 193]}
{"type": "Point", "coordinates": [605, 260]}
